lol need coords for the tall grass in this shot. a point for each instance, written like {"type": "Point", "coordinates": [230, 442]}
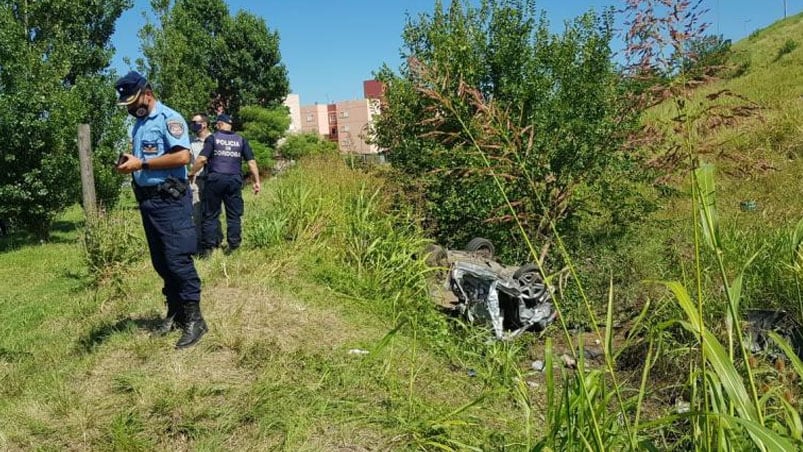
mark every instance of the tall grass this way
{"type": "Point", "coordinates": [111, 242]}
{"type": "Point", "coordinates": [728, 412]}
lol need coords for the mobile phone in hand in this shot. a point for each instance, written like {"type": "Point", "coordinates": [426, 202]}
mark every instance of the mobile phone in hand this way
{"type": "Point", "coordinates": [121, 159]}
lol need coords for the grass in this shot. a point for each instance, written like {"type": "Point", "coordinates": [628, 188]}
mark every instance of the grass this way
{"type": "Point", "coordinates": [81, 371]}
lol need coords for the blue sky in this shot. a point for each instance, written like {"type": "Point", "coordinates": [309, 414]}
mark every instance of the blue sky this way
{"type": "Point", "coordinates": [363, 34]}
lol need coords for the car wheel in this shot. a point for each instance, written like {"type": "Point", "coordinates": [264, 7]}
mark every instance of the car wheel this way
{"type": "Point", "coordinates": [482, 247]}
{"type": "Point", "coordinates": [528, 275]}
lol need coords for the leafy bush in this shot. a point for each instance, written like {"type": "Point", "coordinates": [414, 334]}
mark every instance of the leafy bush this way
{"type": "Point", "coordinates": [69, 86]}
{"type": "Point", "coordinates": [300, 145]}
{"type": "Point", "coordinates": [491, 105]}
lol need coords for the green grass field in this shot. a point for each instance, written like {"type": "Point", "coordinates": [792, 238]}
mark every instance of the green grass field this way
{"type": "Point", "coordinates": [79, 369]}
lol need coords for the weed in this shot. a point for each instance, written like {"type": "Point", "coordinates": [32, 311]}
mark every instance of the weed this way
{"type": "Point", "coordinates": [788, 46]}
{"type": "Point", "coordinates": [111, 243]}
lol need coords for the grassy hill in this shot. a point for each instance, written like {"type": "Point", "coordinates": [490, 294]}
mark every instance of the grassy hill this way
{"type": "Point", "coordinates": [328, 276]}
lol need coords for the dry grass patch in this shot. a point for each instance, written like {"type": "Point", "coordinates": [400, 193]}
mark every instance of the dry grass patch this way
{"type": "Point", "coordinates": [240, 316]}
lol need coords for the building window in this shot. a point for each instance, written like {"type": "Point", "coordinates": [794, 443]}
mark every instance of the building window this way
{"type": "Point", "coordinates": [344, 114]}
{"type": "Point", "coordinates": [310, 117]}
{"type": "Point", "coordinates": [346, 128]}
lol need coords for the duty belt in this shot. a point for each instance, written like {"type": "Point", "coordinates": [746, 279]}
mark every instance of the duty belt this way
{"type": "Point", "coordinates": [170, 188]}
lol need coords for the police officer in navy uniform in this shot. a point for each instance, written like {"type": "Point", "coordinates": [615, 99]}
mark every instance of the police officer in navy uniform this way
{"type": "Point", "coordinates": [223, 154]}
{"type": "Point", "coordinates": [158, 162]}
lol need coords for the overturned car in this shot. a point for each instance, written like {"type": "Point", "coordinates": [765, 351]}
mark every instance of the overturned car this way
{"type": "Point", "coordinates": [511, 299]}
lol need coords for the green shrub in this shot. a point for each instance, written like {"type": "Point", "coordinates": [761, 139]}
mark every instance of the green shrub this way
{"type": "Point", "coordinates": [786, 48]}
{"type": "Point", "coordinates": [300, 145]}
{"type": "Point", "coordinates": [112, 242]}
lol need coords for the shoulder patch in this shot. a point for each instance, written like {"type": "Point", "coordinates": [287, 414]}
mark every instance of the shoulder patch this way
{"type": "Point", "coordinates": [176, 128]}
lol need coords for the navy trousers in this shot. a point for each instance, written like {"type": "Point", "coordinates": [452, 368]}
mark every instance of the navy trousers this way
{"type": "Point", "coordinates": [226, 189]}
{"type": "Point", "coordinates": [172, 242]}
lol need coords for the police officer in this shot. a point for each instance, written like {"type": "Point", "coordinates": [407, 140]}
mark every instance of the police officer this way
{"type": "Point", "coordinates": [158, 159]}
{"type": "Point", "coordinates": [199, 126]}
{"type": "Point", "coordinates": [223, 154]}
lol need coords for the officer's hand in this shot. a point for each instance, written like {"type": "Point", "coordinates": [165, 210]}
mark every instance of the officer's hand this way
{"type": "Point", "coordinates": [257, 187]}
{"type": "Point", "coordinates": [129, 165]}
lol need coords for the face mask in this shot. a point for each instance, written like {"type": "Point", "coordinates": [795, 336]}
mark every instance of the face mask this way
{"type": "Point", "coordinates": [138, 110]}
{"type": "Point", "coordinates": [195, 127]}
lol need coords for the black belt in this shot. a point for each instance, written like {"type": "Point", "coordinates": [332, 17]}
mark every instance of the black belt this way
{"type": "Point", "coordinates": [171, 187]}
{"type": "Point", "coordinates": [147, 192]}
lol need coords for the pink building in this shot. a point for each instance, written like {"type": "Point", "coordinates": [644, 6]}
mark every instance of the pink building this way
{"type": "Point", "coordinates": [349, 123]}
{"type": "Point", "coordinates": [314, 118]}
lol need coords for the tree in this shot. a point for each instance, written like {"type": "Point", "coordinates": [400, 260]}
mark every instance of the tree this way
{"type": "Point", "coordinates": [200, 58]}
{"type": "Point", "coordinates": [300, 145]}
{"type": "Point", "coordinates": [264, 127]}
{"type": "Point", "coordinates": [492, 105]}
{"type": "Point", "coordinates": [53, 60]}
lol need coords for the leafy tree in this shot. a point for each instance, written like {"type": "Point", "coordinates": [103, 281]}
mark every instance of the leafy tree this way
{"type": "Point", "coordinates": [299, 145]}
{"type": "Point", "coordinates": [264, 127]}
{"type": "Point", "coordinates": [490, 96]}
{"type": "Point", "coordinates": [53, 60]}
{"type": "Point", "coordinates": [200, 58]}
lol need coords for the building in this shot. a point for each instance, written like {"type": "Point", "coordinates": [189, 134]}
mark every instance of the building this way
{"type": "Point", "coordinates": [293, 103]}
{"type": "Point", "coordinates": [348, 123]}
{"type": "Point", "coordinates": [315, 119]}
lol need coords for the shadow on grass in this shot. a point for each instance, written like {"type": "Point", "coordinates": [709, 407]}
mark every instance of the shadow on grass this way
{"type": "Point", "coordinates": [101, 333]}
{"type": "Point", "coordinates": [61, 232]}
{"type": "Point", "coordinates": [13, 356]}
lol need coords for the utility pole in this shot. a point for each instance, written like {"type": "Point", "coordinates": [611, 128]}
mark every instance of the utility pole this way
{"type": "Point", "coordinates": [784, 9]}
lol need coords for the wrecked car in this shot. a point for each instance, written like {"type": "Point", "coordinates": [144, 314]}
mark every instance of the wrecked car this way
{"type": "Point", "coordinates": [760, 322]}
{"type": "Point", "coordinates": [510, 299]}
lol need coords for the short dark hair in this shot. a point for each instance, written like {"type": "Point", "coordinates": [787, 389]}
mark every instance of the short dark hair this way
{"type": "Point", "coordinates": [204, 117]}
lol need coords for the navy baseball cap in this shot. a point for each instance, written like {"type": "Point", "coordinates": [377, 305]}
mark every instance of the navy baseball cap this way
{"type": "Point", "coordinates": [224, 118]}
{"type": "Point", "coordinates": [129, 87]}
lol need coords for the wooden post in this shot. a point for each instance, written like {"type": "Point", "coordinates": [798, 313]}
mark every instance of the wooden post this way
{"type": "Point", "coordinates": [87, 177]}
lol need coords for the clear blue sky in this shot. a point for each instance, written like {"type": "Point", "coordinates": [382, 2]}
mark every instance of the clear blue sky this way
{"type": "Point", "coordinates": [360, 35]}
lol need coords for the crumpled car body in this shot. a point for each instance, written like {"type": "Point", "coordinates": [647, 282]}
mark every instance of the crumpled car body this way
{"type": "Point", "coordinates": [511, 300]}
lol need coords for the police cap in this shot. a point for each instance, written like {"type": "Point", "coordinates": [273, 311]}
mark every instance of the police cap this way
{"type": "Point", "coordinates": [223, 118]}
{"type": "Point", "coordinates": [129, 87]}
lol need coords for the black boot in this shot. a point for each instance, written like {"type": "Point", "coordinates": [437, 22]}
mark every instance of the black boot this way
{"type": "Point", "coordinates": [194, 326]}
{"type": "Point", "coordinates": [174, 318]}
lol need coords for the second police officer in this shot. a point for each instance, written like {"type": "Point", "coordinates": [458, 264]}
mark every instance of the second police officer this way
{"type": "Point", "coordinates": [223, 154]}
{"type": "Point", "coordinates": [158, 159]}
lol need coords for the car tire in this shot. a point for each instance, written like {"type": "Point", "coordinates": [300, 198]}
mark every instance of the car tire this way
{"type": "Point", "coordinates": [481, 246]}
{"type": "Point", "coordinates": [528, 274]}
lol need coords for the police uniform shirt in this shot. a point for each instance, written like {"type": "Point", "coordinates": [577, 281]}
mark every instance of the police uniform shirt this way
{"type": "Point", "coordinates": [156, 135]}
{"type": "Point", "coordinates": [226, 151]}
